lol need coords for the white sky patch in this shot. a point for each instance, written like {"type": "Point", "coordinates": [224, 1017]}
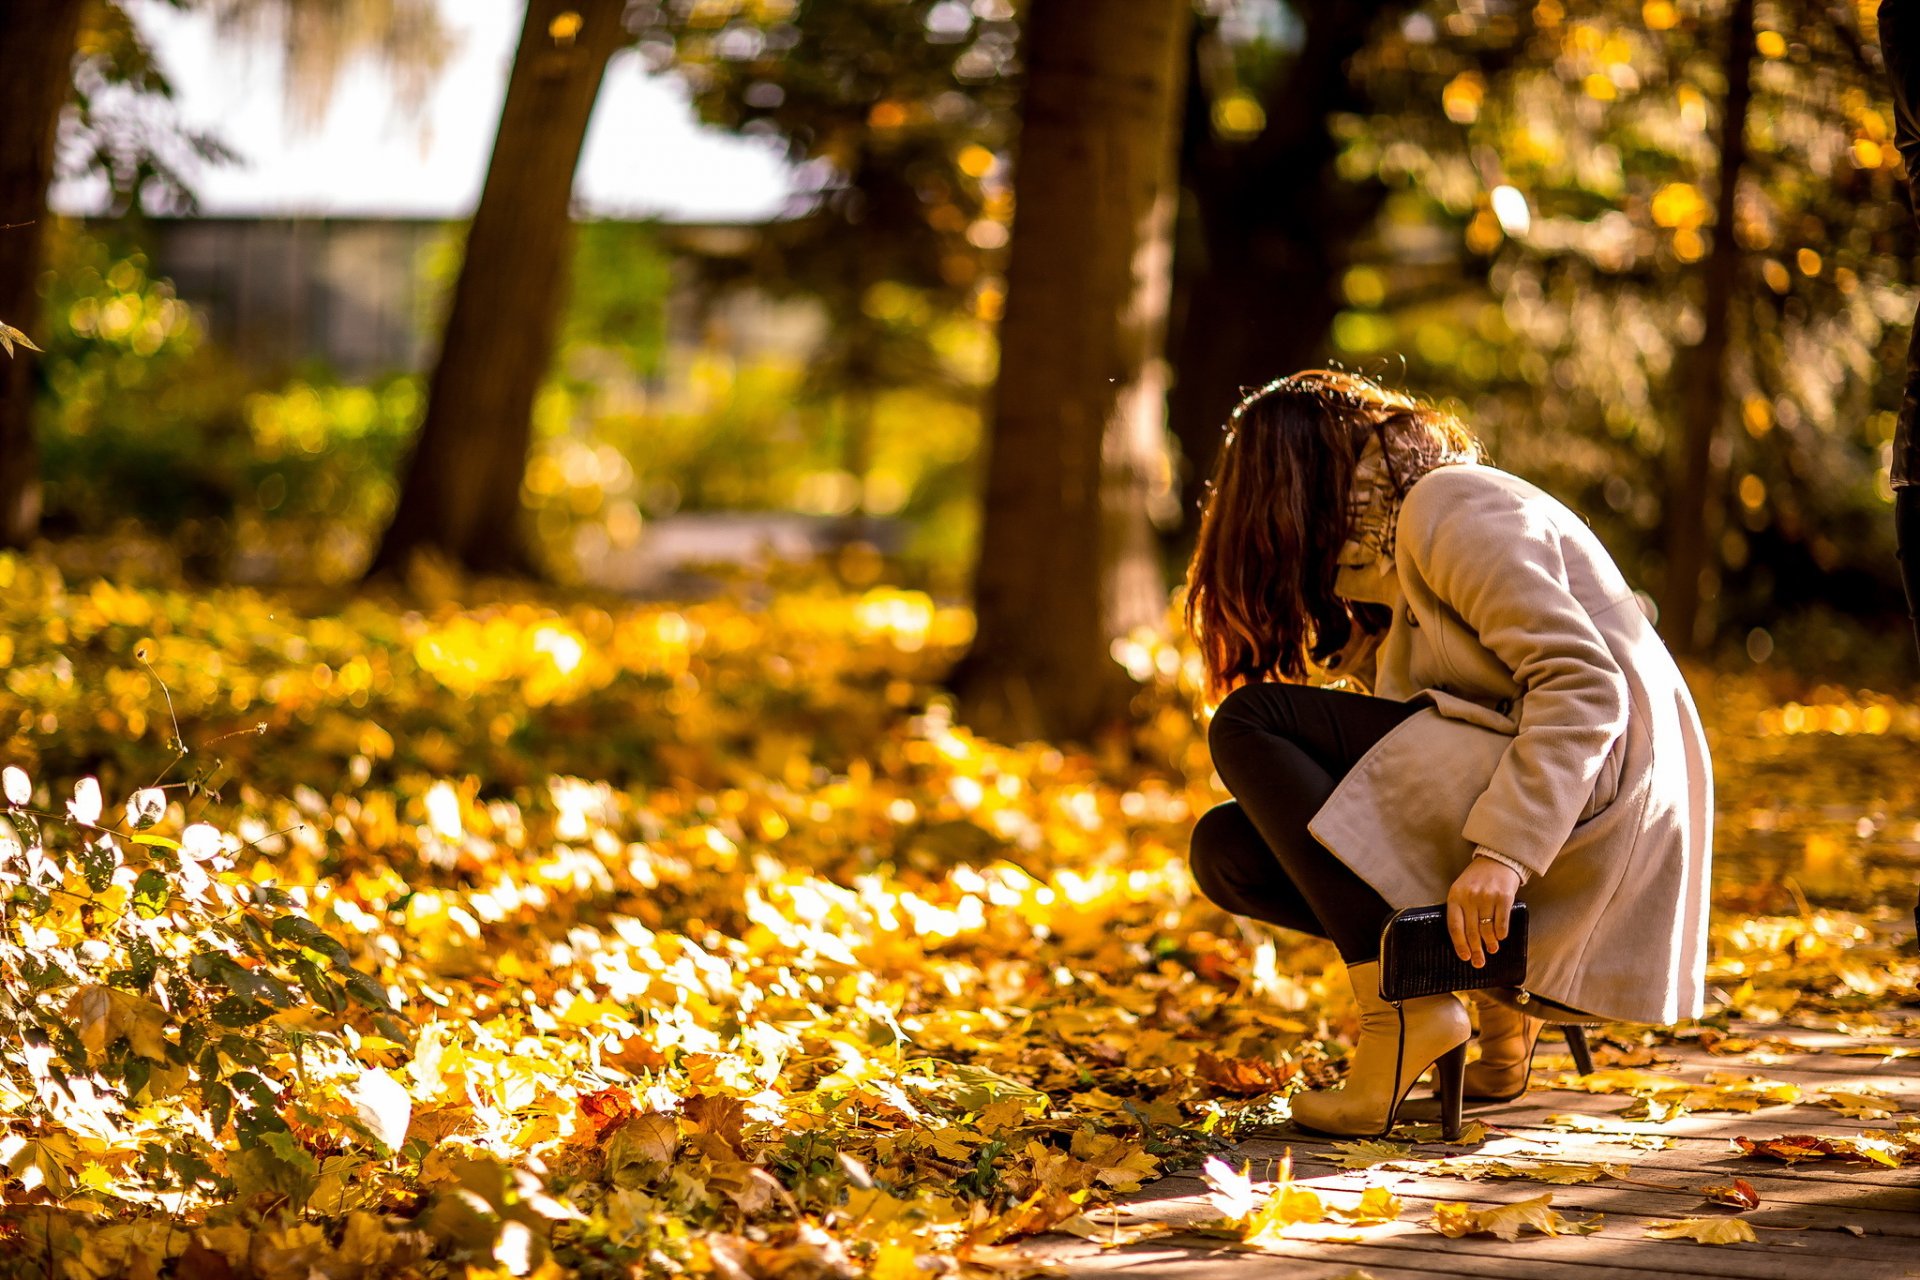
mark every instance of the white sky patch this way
{"type": "Point", "coordinates": [646, 154]}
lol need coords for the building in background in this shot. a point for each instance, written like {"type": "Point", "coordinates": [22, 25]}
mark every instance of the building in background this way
{"type": "Point", "coordinates": [363, 297]}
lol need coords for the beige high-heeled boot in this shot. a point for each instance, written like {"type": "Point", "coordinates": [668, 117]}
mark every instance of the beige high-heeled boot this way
{"type": "Point", "coordinates": [1507, 1039]}
{"type": "Point", "coordinates": [1396, 1045]}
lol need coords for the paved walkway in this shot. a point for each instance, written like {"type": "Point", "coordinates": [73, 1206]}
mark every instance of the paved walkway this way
{"type": "Point", "coordinates": [1826, 1219]}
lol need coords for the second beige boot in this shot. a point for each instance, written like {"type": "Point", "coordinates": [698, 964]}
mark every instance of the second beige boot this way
{"type": "Point", "coordinates": [1507, 1038]}
{"type": "Point", "coordinates": [1395, 1047]}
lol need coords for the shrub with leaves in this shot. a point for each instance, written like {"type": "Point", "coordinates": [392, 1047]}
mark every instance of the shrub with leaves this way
{"type": "Point", "coordinates": [137, 968]}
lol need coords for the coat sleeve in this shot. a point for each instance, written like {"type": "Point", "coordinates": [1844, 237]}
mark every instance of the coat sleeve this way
{"type": "Point", "coordinates": [1496, 562]}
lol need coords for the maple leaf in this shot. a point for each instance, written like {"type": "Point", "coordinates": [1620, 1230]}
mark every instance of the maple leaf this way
{"type": "Point", "coordinates": [101, 1015]}
{"type": "Point", "coordinates": [1454, 1219]}
{"type": "Point", "coordinates": [797, 1251]}
{"type": "Point", "coordinates": [750, 1187]}
{"type": "Point", "coordinates": [1117, 1162]}
{"type": "Point", "coordinates": [1472, 1133]}
{"type": "Point", "coordinates": [1706, 1231]}
{"type": "Point", "coordinates": [1790, 1150]}
{"type": "Point", "coordinates": [723, 1117]}
{"type": "Point", "coordinates": [1244, 1076]}
{"type": "Point", "coordinates": [40, 1160]}
{"type": "Point", "coordinates": [1608, 1131]}
{"type": "Point", "coordinates": [1042, 1211]}
{"type": "Point", "coordinates": [1858, 1104]}
{"type": "Point", "coordinates": [1566, 1174]}
{"type": "Point", "coordinates": [604, 1111]}
{"type": "Point", "coordinates": [1111, 1232]}
{"type": "Point", "coordinates": [641, 1148]}
{"type": "Point", "coordinates": [1377, 1205]}
{"type": "Point", "coordinates": [1654, 1109]}
{"type": "Point", "coordinates": [1287, 1205]}
{"type": "Point", "coordinates": [1368, 1152]}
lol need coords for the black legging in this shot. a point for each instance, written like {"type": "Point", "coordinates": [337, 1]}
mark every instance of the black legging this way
{"type": "Point", "coordinates": [1281, 749]}
{"type": "Point", "coordinates": [1900, 49]}
{"type": "Point", "coordinates": [1906, 529]}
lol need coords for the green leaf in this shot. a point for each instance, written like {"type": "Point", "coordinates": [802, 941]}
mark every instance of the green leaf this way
{"type": "Point", "coordinates": [214, 967]}
{"type": "Point", "coordinates": [238, 1011]}
{"type": "Point", "coordinates": [150, 893]}
{"type": "Point", "coordinates": [327, 994]}
{"type": "Point", "coordinates": [98, 860]}
{"type": "Point", "coordinates": [143, 959]}
{"type": "Point", "coordinates": [363, 988]}
{"type": "Point", "coordinates": [259, 1168]}
{"type": "Point", "coordinates": [219, 1100]}
{"type": "Point", "coordinates": [305, 933]}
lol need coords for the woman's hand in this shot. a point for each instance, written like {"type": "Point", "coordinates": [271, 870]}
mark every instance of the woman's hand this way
{"type": "Point", "coordinates": [1478, 907]}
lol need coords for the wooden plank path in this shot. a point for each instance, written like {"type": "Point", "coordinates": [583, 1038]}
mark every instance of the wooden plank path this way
{"type": "Point", "coordinates": [1824, 1220]}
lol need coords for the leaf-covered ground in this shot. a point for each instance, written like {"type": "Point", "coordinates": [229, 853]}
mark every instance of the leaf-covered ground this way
{"type": "Point", "coordinates": [612, 939]}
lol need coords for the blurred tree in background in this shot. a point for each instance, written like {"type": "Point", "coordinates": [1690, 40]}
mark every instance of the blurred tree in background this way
{"type": "Point", "coordinates": [461, 495]}
{"type": "Point", "coordinates": [35, 78]}
{"type": "Point", "coordinates": [897, 114]}
{"type": "Point", "coordinates": [1268, 226]}
{"type": "Point", "coordinates": [89, 55]}
{"type": "Point", "coordinates": [1549, 255]}
{"type": "Point", "coordinates": [1077, 451]}
{"type": "Point", "coordinates": [1511, 203]}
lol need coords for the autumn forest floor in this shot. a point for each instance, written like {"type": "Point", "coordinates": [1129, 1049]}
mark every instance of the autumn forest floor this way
{"type": "Point", "coordinates": [575, 937]}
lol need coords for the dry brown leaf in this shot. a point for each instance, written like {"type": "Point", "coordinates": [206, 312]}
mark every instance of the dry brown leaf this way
{"type": "Point", "coordinates": [1377, 1205]}
{"type": "Point", "coordinates": [1454, 1219]}
{"type": "Point", "coordinates": [1368, 1152]}
{"type": "Point", "coordinates": [1706, 1231]}
{"type": "Point", "coordinates": [1246, 1077]}
{"type": "Point", "coordinates": [1859, 1104]}
{"type": "Point", "coordinates": [1739, 1193]}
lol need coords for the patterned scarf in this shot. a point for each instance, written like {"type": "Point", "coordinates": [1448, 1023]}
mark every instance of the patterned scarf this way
{"type": "Point", "coordinates": [1381, 478]}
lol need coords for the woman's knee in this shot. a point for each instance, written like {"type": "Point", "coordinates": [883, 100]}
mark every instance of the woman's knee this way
{"type": "Point", "coordinates": [1214, 851]}
{"type": "Point", "coordinates": [1251, 707]}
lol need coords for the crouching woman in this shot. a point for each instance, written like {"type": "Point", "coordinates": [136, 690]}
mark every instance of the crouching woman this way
{"type": "Point", "coordinates": [1527, 736]}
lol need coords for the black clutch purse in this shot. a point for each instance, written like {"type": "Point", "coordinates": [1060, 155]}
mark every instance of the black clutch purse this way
{"type": "Point", "coordinates": [1417, 956]}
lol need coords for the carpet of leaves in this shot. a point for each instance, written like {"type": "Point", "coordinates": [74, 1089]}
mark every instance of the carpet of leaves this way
{"type": "Point", "coordinates": [564, 936]}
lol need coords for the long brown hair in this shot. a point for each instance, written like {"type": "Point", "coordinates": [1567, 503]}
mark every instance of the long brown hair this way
{"type": "Point", "coordinates": [1260, 588]}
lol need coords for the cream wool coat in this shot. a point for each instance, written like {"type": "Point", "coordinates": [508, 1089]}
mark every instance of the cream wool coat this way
{"type": "Point", "coordinates": [1558, 732]}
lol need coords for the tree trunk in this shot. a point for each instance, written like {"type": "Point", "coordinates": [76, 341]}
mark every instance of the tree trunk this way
{"type": "Point", "coordinates": [36, 75]}
{"type": "Point", "coordinates": [1269, 231]}
{"type": "Point", "coordinates": [1067, 561]}
{"type": "Point", "coordinates": [461, 497]}
{"type": "Point", "coordinates": [1693, 508]}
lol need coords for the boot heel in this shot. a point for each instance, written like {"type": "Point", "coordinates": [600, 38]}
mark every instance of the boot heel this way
{"type": "Point", "coordinates": [1450, 1085]}
{"type": "Point", "coordinates": [1577, 1046]}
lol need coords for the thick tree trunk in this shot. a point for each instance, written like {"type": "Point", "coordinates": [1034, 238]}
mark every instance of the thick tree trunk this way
{"type": "Point", "coordinates": [1269, 232]}
{"type": "Point", "coordinates": [1694, 508]}
{"type": "Point", "coordinates": [36, 74]}
{"type": "Point", "coordinates": [461, 497]}
{"type": "Point", "coordinates": [1066, 557]}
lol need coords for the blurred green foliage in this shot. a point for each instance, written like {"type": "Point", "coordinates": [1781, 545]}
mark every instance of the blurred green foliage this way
{"type": "Point", "coordinates": [149, 427]}
{"type": "Point", "coordinates": [1552, 169]}
{"type": "Point", "coordinates": [1543, 173]}
{"type": "Point", "coordinates": [150, 430]}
